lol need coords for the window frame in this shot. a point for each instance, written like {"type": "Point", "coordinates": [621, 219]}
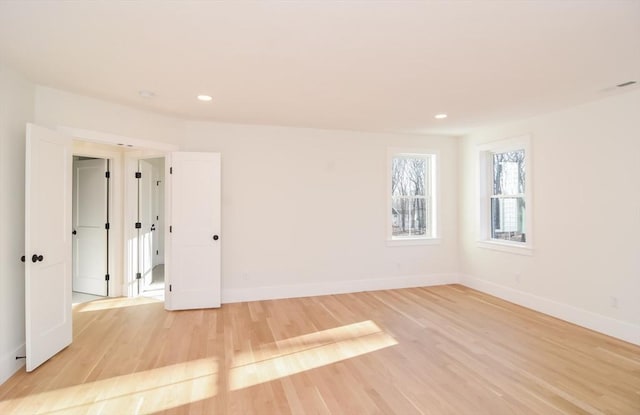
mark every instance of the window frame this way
{"type": "Point", "coordinates": [431, 198]}
{"type": "Point", "coordinates": [485, 195]}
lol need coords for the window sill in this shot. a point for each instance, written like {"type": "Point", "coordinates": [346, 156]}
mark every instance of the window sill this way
{"type": "Point", "coordinates": [413, 241]}
{"type": "Point", "coordinates": [506, 247]}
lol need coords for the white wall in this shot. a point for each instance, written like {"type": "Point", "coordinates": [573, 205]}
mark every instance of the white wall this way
{"type": "Point", "coordinates": [55, 108]}
{"type": "Point", "coordinates": [16, 109]}
{"type": "Point", "coordinates": [304, 211]}
{"type": "Point", "coordinates": [586, 217]}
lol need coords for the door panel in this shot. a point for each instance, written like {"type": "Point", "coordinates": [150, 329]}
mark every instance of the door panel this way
{"type": "Point", "coordinates": [195, 219]}
{"type": "Point", "coordinates": [89, 218]}
{"type": "Point", "coordinates": [48, 239]}
{"type": "Point", "coordinates": [145, 237]}
{"type": "Point", "coordinates": [158, 219]}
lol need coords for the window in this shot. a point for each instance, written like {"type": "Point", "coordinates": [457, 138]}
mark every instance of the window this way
{"type": "Point", "coordinates": [412, 213]}
{"type": "Point", "coordinates": [505, 210]}
{"type": "Point", "coordinates": [507, 200]}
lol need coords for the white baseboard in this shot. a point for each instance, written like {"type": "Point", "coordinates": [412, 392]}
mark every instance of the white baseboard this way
{"type": "Point", "coordinates": [273, 292]}
{"type": "Point", "coordinates": [9, 364]}
{"type": "Point", "coordinates": [597, 322]}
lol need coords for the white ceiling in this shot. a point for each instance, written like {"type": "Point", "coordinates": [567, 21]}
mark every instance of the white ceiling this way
{"type": "Point", "coordinates": [360, 65]}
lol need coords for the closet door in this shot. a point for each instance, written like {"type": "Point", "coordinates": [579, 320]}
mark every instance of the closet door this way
{"type": "Point", "coordinates": [47, 244]}
{"type": "Point", "coordinates": [194, 234]}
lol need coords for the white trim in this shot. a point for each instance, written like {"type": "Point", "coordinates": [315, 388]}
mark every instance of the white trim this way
{"type": "Point", "coordinates": [334, 287]}
{"type": "Point", "coordinates": [512, 248]}
{"type": "Point", "coordinates": [413, 241]}
{"type": "Point", "coordinates": [9, 364]}
{"type": "Point", "coordinates": [126, 143]}
{"type": "Point", "coordinates": [434, 196]}
{"type": "Point", "coordinates": [597, 322]}
{"type": "Point", "coordinates": [483, 195]}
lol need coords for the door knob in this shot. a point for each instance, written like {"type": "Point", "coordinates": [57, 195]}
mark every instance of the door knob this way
{"type": "Point", "coordinates": [22, 258]}
{"type": "Point", "coordinates": [74, 232]}
{"type": "Point", "coordinates": [36, 258]}
{"type": "Point", "coordinates": [215, 237]}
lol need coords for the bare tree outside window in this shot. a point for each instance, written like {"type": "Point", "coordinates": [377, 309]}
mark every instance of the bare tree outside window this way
{"type": "Point", "coordinates": [508, 196]}
{"type": "Point", "coordinates": [409, 196]}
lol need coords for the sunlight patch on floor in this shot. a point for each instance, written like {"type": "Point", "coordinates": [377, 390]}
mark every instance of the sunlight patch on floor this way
{"type": "Point", "coordinates": [306, 352]}
{"type": "Point", "coordinates": [148, 391]}
{"type": "Point", "coordinates": [79, 298]}
{"type": "Point", "coordinates": [111, 303]}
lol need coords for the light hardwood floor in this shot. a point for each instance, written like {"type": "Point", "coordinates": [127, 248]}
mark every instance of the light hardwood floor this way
{"type": "Point", "coordinates": [436, 350]}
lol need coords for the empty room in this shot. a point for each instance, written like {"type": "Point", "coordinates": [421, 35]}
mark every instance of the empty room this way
{"type": "Point", "coordinates": [320, 207]}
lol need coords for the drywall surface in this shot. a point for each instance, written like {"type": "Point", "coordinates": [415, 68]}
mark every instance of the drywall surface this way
{"type": "Point", "coordinates": [16, 109]}
{"type": "Point", "coordinates": [585, 261]}
{"type": "Point", "coordinates": [56, 108]}
{"type": "Point", "coordinates": [304, 210]}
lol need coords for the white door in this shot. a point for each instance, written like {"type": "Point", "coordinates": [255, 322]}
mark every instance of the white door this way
{"type": "Point", "coordinates": [158, 220]}
{"type": "Point", "coordinates": [89, 219]}
{"type": "Point", "coordinates": [47, 244]}
{"type": "Point", "coordinates": [194, 262]}
{"type": "Point", "coordinates": [145, 206]}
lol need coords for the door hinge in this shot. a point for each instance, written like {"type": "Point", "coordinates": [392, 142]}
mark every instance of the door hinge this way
{"type": "Point", "coordinates": [106, 277]}
{"type": "Point", "coordinates": [170, 229]}
{"type": "Point", "coordinates": [138, 174]}
{"type": "Point", "coordinates": [107, 174]}
{"type": "Point", "coordinates": [170, 287]}
{"type": "Point", "coordinates": [106, 225]}
{"type": "Point", "coordinates": [138, 225]}
{"type": "Point", "coordinates": [138, 275]}
{"type": "Point", "coordinates": [170, 170]}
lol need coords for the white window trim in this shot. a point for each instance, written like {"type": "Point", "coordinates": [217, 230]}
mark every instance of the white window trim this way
{"type": "Point", "coordinates": [484, 195]}
{"type": "Point", "coordinates": [434, 165]}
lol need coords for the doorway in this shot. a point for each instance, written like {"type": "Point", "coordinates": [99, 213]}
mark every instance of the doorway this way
{"type": "Point", "coordinates": [150, 225]}
{"type": "Point", "coordinates": [91, 225]}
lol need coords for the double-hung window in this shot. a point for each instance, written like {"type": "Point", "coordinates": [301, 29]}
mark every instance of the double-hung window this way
{"type": "Point", "coordinates": [505, 195]}
{"type": "Point", "coordinates": [507, 199]}
{"type": "Point", "coordinates": [412, 214]}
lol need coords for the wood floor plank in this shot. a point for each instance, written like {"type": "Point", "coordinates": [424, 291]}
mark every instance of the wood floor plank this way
{"type": "Point", "coordinates": [433, 350]}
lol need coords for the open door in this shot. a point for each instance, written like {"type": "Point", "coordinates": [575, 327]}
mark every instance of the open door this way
{"type": "Point", "coordinates": [47, 244]}
{"type": "Point", "coordinates": [90, 189]}
{"type": "Point", "coordinates": [194, 231]}
{"type": "Point", "coordinates": [145, 215]}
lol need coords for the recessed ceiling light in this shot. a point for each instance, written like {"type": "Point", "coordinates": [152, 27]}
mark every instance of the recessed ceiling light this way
{"type": "Point", "coordinates": [440, 116]}
{"type": "Point", "coordinates": [146, 94]}
{"type": "Point", "coordinates": [204, 98]}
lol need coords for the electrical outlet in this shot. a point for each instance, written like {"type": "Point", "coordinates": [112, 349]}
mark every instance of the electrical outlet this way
{"type": "Point", "coordinates": [517, 277]}
{"type": "Point", "coordinates": [613, 301]}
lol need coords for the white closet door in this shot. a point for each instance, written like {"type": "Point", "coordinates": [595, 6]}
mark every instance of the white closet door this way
{"type": "Point", "coordinates": [194, 266]}
{"type": "Point", "coordinates": [89, 219]}
{"type": "Point", "coordinates": [47, 244]}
